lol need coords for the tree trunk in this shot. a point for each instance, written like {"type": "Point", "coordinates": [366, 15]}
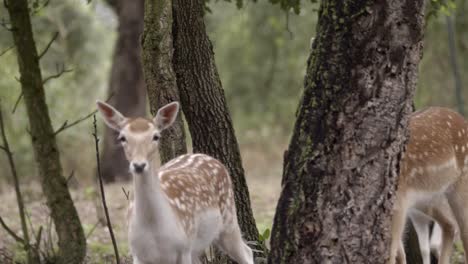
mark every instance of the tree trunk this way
{"type": "Point", "coordinates": [204, 103]}
{"type": "Point", "coordinates": [126, 84]}
{"type": "Point", "coordinates": [72, 242]}
{"type": "Point", "coordinates": [159, 74]}
{"type": "Point", "coordinates": [412, 248]}
{"type": "Point", "coordinates": [452, 46]}
{"type": "Point", "coordinates": [341, 167]}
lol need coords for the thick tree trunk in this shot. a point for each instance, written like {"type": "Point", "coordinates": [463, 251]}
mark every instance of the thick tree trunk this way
{"type": "Point", "coordinates": [204, 103]}
{"type": "Point", "coordinates": [159, 74]}
{"type": "Point", "coordinates": [126, 84]}
{"type": "Point", "coordinates": [341, 167]}
{"type": "Point", "coordinates": [72, 243]}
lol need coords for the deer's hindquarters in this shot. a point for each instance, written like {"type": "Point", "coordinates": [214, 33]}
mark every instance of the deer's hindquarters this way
{"type": "Point", "coordinates": [432, 168]}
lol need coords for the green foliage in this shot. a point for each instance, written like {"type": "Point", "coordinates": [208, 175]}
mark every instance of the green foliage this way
{"type": "Point", "coordinates": [444, 7]}
{"type": "Point", "coordinates": [84, 45]}
{"type": "Point", "coordinates": [261, 56]}
{"type": "Point", "coordinates": [436, 83]}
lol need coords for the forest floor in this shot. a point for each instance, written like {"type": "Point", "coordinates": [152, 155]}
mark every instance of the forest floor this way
{"type": "Point", "coordinates": [264, 192]}
{"type": "Point", "coordinates": [263, 172]}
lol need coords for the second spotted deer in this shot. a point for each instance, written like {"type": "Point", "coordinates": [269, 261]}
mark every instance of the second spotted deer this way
{"type": "Point", "coordinates": [181, 208]}
{"type": "Point", "coordinates": [434, 168]}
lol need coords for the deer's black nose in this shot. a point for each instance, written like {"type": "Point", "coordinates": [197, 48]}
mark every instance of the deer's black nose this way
{"type": "Point", "coordinates": [139, 167]}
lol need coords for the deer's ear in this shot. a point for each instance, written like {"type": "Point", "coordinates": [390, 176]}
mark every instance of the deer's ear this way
{"type": "Point", "coordinates": [166, 115]}
{"type": "Point", "coordinates": [113, 118]}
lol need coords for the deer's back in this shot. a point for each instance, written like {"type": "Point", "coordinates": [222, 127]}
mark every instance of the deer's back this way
{"type": "Point", "coordinates": [195, 184]}
{"type": "Point", "coordinates": [436, 151]}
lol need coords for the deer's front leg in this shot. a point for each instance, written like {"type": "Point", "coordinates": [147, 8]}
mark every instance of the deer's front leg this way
{"type": "Point", "coordinates": [398, 226]}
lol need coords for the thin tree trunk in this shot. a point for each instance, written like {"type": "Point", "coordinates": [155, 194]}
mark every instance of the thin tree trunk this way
{"type": "Point", "coordinates": [341, 167]}
{"type": "Point", "coordinates": [72, 242]}
{"type": "Point", "coordinates": [126, 84]}
{"type": "Point", "coordinates": [455, 68]}
{"type": "Point", "coordinates": [204, 103]}
{"type": "Point", "coordinates": [412, 248]}
{"type": "Point", "coordinates": [159, 74]}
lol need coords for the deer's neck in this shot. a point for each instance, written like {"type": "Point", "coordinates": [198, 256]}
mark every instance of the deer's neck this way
{"type": "Point", "coordinates": [151, 205]}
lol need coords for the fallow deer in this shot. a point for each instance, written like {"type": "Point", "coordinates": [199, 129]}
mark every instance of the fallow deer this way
{"type": "Point", "coordinates": [433, 168]}
{"type": "Point", "coordinates": [182, 208]}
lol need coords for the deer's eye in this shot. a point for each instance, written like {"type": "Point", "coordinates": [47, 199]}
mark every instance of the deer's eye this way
{"type": "Point", "coordinates": [122, 139]}
{"type": "Point", "coordinates": [156, 137]}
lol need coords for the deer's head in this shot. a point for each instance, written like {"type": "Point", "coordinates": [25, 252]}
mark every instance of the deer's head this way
{"type": "Point", "coordinates": [139, 136]}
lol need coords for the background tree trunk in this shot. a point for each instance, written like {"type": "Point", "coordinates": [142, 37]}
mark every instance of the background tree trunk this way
{"type": "Point", "coordinates": [412, 249]}
{"type": "Point", "coordinates": [72, 242]}
{"type": "Point", "coordinates": [452, 46]}
{"type": "Point", "coordinates": [159, 74]}
{"type": "Point", "coordinates": [126, 84]}
{"type": "Point", "coordinates": [204, 103]}
{"type": "Point", "coordinates": [341, 167]}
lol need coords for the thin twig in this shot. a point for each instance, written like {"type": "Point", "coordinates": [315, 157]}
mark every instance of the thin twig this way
{"type": "Point", "coordinates": [103, 196]}
{"type": "Point", "coordinates": [11, 232]}
{"type": "Point", "coordinates": [56, 34]}
{"type": "Point", "coordinates": [70, 176]}
{"type": "Point", "coordinates": [7, 50]}
{"type": "Point", "coordinates": [57, 75]}
{"type": "Point", "coordinates": [7, 25]}
{"type": "Point", "coordinates": [66, 125]}
{"type": "Point", "coordinates": [60, 72]}
{"type": "Point", "coordinates": [19, 198]}
{"type": "Point", "coordinates": [127, 194]}
{"type": "Point", "coordinates": [92, 230]}
{"type": "Point", "coordinates": [39, 239]}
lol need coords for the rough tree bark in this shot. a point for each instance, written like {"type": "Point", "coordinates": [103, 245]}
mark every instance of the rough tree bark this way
{"type": "Point", "coordinates": [159, 75]}
{"type": "Point", "coordinates": [341, 167]}
{"type": "Point", "coordinates": [204, 103]}
{"type": "Point", "coordinates": [126, 84]}
{"type": "Point", "coordinates": [72, 242]}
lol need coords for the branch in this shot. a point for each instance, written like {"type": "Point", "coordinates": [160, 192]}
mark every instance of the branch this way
{"type": "Point", "coordinates": [54, 76]}
{"type": "Point", "coordinates": [7, 25]}
{"type": "Point", "coordinates": [65, 124]}
{"type": "Point", "coordinates": [70, 176]}
{"type": "Point", "coordinates": [127, 193]}
{"type": "Point", "coordinates": [103, 196]}
{"type": "Point", "coordinates": [11, 232]}
{"type": "Point", "coordinates": [59, 73]}
{"type": "Point", "coordinates": [18, 100]}
{"type": "Point", "coordinates": [19, 198]}
{"type": "Point", "coordinates": [48, 45]}
{"type": "Point", "coordinates": [6, 50]}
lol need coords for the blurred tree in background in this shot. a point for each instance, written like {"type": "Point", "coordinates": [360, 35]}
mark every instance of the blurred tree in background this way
{"type": "Point", "coordinates": [126, 88]}
{"type": "Point", "coordinates": [436, 83]}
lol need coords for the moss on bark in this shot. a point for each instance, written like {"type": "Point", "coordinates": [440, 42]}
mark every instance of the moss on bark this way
{"type": "Point", "coordinates": [159, 74]}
